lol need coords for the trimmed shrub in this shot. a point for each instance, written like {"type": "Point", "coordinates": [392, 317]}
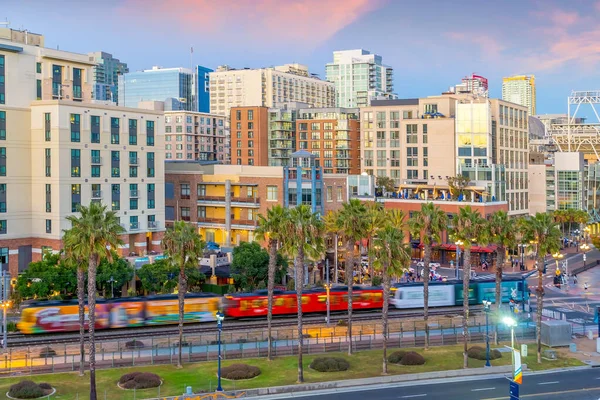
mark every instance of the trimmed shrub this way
{"type": "Point", "coordinates": [134, 344]}
{"type": "Point", "coordinates": [139, 380]}
{"type": "Point", "coordinates": [45, 386]}
{"type": "Point", "coordinates": [47, 352]}
{"type": "Point", "coordinates": [329, 364]}
{"type": "Point", "coordinates": [396, 357]}
{"type": "Point", "coordinates": [412, 358]}
{"type": "Point", "coordinates": [240, 371]}
{"type": "Point", "coordinates": [29, 390]}
{"type": "Point", "coordinates": [478, 353]}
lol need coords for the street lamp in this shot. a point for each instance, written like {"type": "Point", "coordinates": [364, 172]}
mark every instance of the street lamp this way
{"type": "Point", "coordinates": [220, 317]}
{"type": "Point", "coordinates": [458, 243]}
{"type": "Point", "coordinates": [584, 248]}
{"type": "Point", "coordinates": [112, 287]}
{"type": "Point", "coordinates": [486, 309]}
{"type": "Point", "coordinates": [5, 305]}
{"type": "Point", "coordinates": [511, 323]}
{"type": "Point", "coordinates": [557, 256]}
{"type": "Point", "coordinates": [327, 288]}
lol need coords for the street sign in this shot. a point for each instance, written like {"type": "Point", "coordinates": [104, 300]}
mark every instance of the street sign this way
{"type": "Point", "coordinates": [514, 391]}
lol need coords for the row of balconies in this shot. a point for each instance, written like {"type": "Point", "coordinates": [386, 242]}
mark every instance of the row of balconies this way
{"type": "Point", "coordinates": [221, 221]}
{"type": "Point", "coordinates": [136, 226]}
{"type": "Point", "coordinates": [98, 161]}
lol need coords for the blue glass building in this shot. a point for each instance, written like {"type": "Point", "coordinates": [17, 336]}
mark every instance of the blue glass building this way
{"type": "Point", "coordinates": [202, 95]}
{"type": "Point", "coordinates": [106, 73]}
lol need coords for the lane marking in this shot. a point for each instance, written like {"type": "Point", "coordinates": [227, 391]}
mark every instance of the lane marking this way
{"type": "Point", "coordinates": [479, 390]}
{"type": "Point", "coordinates": [413, 395]}
{"type": "Point", "coordinates": [548, 383]}
{"type": "Point", "coordinates": [547, 394]}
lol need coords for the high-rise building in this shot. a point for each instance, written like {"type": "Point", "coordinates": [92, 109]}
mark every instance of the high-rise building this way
{"type": "Point", "coordinates": [267, 87]}
{"type": "Point", "coordinates": [106, 76]}
{"type": "Point", "coordinates": [59, 150]}
{"type": "Point", "coordinates": [359, 78]}
{"type": "Point", "coordinates": [196, 136]}
{"type": "Point", "coordinates": [174, 86]}
{"type": "Point", "coordinates": [249, 136]}
{"type": "Point", "coordinates": [202, 88]}
{"type": "Point", "coordinates": [474, 84]}
{"type": "Point", "coordinates": [520, 89]}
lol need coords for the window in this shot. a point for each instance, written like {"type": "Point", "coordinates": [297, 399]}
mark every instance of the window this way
{"type": "Point", "coordinates": [77, 74]}
{"type": "Point", "coordinates": [411, 133]}
{"type": "Point", "coordinates": [431, 108]}
{"type": "Point", "coordinates": [149, 133]}
{"type": "Point", "coordinates": [150, 164]}
{"type": "Point", "coordinates": [2, 124]}
{"type": "Point", "coordinates": [412, 154]}
{"type": "Point", "coordinates": [412, 174]}
{"type": "Point", "coordinates": [75, 197]}
{"type": "Point", "coordinates": [116, 197]}
{"type": "Point", "coordinates": [38, 89]}
{"type": "Point", "coordinates": [133, 171]}
{"type": "Point", "coordinates": [3, 225]}
{"type": "Point", "coordinates": [272, 193]}
{"type": "Point", "coordinates": [185, 191]}
{"type": "Point", "coordinates": [250, 125]}
{"type": "Point", "coordinates": [133, 132]}
{"type": "Point", "coordinates": [329, 193]}
{"type": "Point", "coordinates": [38, 67]}
{"type": "Point", "coordinates": [75, 128]}
{"type": "Point", "coordinates": [179, 138]}
{"type": "Point", "coordinates": [2, 161]}
{"type": "Point", "coordinates": [168, 129]}
{"type": "Point", "coordinates": [75, 163]}
{"type": "Point", "coordinates": [115, 164]}
{"type": "Point", "coordinates": [48, 161]}
{"type": "Point", "coordinates": [48, 226]}
{"type": "Point", "coordinates": [2, 197]}
{"type": "Point", "coordinates": [134, 223]}
{"type": "Point", "coordinates": [133, 203]}
{"type": "Point", "coordinates": [185, 213]}
{"type": "Point", "coordinates": [95, 128]}
{"type": "Point", "coordinates": [238, 115]}
{"type": "Point", "coordinates": [2, 91]}
{"type": "Point", "coordinates": [250, 115]}
{"type": "Point", "coordinates": [48, 197]}
{"type": "Point", "coordinates": [151, 196]}
{"type": "Point", "coordinates": [179, 129]}
{"type": "Point", "coordinates": [340, 194]}
{"type": "Point", "coordinates": [114, 130]}
{"type": "Point", "coordinates": [250, 143]}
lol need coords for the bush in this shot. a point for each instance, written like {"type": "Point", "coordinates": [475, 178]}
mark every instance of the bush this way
{"type": "Point", "coordinates": [329, 364]}
{"type": "Point", "coordinates": [396, 357]}
{"type": "Point", "coordinates": [478, 353]}
{"type": "Point", "coordinates": [412, 358]}
{"type": "Point", "coordinates": [47, 352]}
{"type": "Point", "coordinates": [139, 380]}
{"type": "Point", "coordinates": [29, 390]}
{"type": "Point", "coordinates": [45, 386]}
{"type": "Point", "coordinates": [240, 371]}
{"type": "Point", "coordinates": [134, 344]}
{"type": "Point", "coordinates": [291, 285]}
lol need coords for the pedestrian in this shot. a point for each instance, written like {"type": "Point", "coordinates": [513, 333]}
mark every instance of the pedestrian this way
{"type": "Point", "coordinates": [575, 279]}
{"type": "Point", "coordinates": [585, 286]}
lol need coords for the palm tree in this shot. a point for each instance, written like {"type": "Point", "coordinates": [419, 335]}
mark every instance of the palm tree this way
{"type": "Point", "coordinates": [70, 259]}
{"type": "Point", "coordinates": [392, 258]}
{"type": "Point", "coordinates": [274, 228]}
{"type": "Point", "coordinates": [374, 220]}
{"type": "Point", "coordinates": [468, 228]}
{"type": "Point", "coordinates": [92, 236]}
{"type": "Point", "coordinates": [501, 232]}
{"type": "Point", "coordinates": [332, 226]}
{"type": "Point", "coordinates": [305, 239]}
{"type": "Point", "coordinates": [428, 224]}
{"type": "Point", "coordinates": [184, 246]}
{"type": "Point", "coordinates": [543, 229]}
{"type": "Point", "coordinates": [353, 223]}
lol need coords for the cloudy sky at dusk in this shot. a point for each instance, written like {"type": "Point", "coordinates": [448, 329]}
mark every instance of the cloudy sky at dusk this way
{"type": "Point", "coordinates": [431, 45]}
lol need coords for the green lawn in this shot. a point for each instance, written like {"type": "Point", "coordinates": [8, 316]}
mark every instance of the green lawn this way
{"type": "Point", "coordinates": [282, 371]}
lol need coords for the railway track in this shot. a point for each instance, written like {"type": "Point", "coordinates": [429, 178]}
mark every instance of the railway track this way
{"type": "Point", "coordinates": [21, 340]}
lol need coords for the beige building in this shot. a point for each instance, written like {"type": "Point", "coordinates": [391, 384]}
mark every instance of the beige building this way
{"type": "Point", "coordinates": [520, 89]}
{"type": "Point", "coordinates": [58, 149]}
{"type": "Point", "coordinates": [267, 87]}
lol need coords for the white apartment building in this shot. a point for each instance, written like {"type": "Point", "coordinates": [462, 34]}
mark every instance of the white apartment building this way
{"type": "Point", "coordinates": [267, 87]}
{"type": "Point", "coordinates": [58, 149]}
{"type": "Point", "coordinates": [520, 89]}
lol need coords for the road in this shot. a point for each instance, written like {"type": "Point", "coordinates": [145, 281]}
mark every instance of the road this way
{"type": "Point", "coordinates": [580, 384]}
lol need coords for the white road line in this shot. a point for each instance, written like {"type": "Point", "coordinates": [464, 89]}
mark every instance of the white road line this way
{"type": "Point", "coordinates": [413, 395]}
{"type": "Point", "coordinates": [481, 389]}
{"type": "Point", "coordinates": [548, 383]}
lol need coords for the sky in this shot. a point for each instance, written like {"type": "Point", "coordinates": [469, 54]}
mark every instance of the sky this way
{"type": "Point", "coordinates": [431, 45]}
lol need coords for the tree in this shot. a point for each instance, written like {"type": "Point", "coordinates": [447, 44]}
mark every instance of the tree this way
{"type": "Point", "coordinates": [250, 266]}
{"type": "Point", "coordinates": [543, 229]}
{"type": "Point", "coordinates": [48, 278]}
{"type": "Point", "coordinates": [93, 233]}
{"type": "Point", "coordinates": [458, 185]}
{"type": "Point", "coordinates": [305, 239]}
{"type": "Point", "coordinates": [161, 277]}
{"type": "Point", "coordinates": [391, 257]}
{"type": "Point", "coordinates": [468, 228]}
{"type": "Point", "coordinates": [333, 228]}
{"type": "Point", "coordinates": [385, 184]}
{"type": "Point", "coordinates": [352, 220]}
{"type": "Point", "coordinates": [428, 224]}
{"type": "Point", "coordinates": [119, 271]}
{"type": "Point", "coordinates": [374, 220]}
{"type": "Point", "coordinates": [183, 246]}
{"type": "Point", "coordinates": [274, 228]}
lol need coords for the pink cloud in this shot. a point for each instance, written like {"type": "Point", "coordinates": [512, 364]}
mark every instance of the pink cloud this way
{"type": "Point", "coordinates": [488, 45]}
{"type": "Point", "coordinates": [307, 21]}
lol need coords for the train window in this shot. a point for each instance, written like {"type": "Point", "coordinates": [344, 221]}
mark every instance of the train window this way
{"type": "Point", "coordinates": [243, 305]}
{"type": "Point", "coordinates": [279, 302]}
{"type": "Point", "coordinates": [322, 299]}
{"type": "Point", "coordinates": [305, 300]}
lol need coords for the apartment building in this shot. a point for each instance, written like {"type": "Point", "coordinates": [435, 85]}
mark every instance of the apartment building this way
{"type": "Point", "coordinates": [106, 76]}
{"type": "Point", "coordinates": [249, 136]}
{"type": "Point", "coordinates": [267, 87]}
{"type": "Point", "coordinates": [58, 149]}
{"type": "Point", "coordinates": [196, 136]}
{"type": "Point", "coordinates": [332, 135]}
{"type": "Point", "coordinates": [520, 89]}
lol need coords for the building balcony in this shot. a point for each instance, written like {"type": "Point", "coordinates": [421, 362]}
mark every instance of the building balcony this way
{"type": "Point", "coordinates": [152, 225]}
{"type": "Point", "coordinates": [96, 194]}
{"type": "Point", "coordinates": [134, 193]}
{"type": "Point", "coordinates": [211, 199]}
{"type": "Point", "coordinates": [134, 161]}
{"type": "Point", "coordinates": [96, 160]}
{"type": "Point", "coordinates": [211, 221]}
{"type": "Point", "coordinates": [246, 201]}
{"type": "Point", "coordinates": [134, 226]}
{"type": "Point", "coordinates": [244, 222]}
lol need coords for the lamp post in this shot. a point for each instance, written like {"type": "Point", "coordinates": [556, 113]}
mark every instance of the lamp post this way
{"type": "Point", "coordinates": [511, 323]}
{"type": "Point", "coordinates": [522, 247]}
{"type": "Point", "coordinates": [220, 317]}
{"type": "Point", "coordinates": [458, 243]}
{"type": "Point", "coordinates": [327, 288]}
{"type": "Point", "coordinates": [112, 287]}
{"type": "Point", "coordinates": [486, 309]}
{"type": "Point", "coordinates": [584, 248]}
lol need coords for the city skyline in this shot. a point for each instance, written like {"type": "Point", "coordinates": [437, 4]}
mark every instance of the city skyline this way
{"type": "Point", "coordinates": [560, 46]}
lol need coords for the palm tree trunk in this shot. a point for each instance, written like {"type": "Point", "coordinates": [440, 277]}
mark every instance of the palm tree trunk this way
{"type": "Point", "coordinates": [540, 307]}
{"type": "Point", "coordinates": [426, 261]}
{"type": "Point", "coordinates": [350, 281]}
{"type": "Point", "coordinates": [270, 288]}
{"type": "Point", "coordinates": [81, 302]}
{"type": "Point", "coordinates": [384, 314]}
{"type": "Point", "coordinates": [371, 269]}
{"type": "Point", "coordinates": [501, 251]}
{"type": "Point", "coordinates": [93, 264]}
{"type": "Point", "coordinates": [181, 297]}
{"type": "Point", "coordinates": [466, 276]}
{"type": "Point", "coordinates": [299, 265]}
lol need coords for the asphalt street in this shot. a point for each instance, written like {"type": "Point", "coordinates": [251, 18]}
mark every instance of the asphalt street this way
{"type": "Point", "coordinates": [580, 384]}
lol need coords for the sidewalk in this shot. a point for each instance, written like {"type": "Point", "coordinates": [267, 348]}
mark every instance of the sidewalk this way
{"type": "Point", "coordinates": [586, 351]}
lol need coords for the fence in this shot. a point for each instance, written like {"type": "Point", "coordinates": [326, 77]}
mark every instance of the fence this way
{"type": "Point", "coordinates": [196, 348]}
